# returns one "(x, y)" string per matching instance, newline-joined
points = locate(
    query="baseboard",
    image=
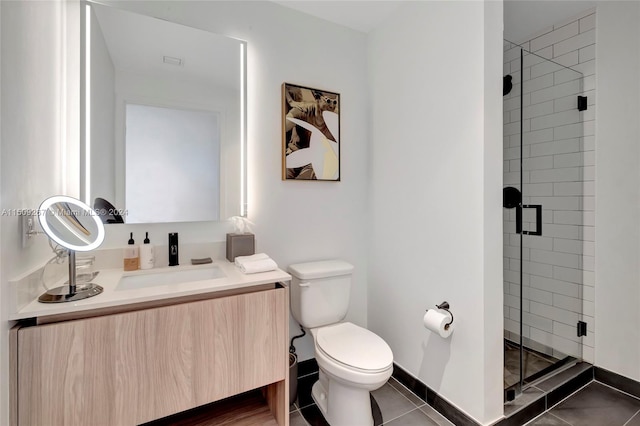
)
(306, 367)
(431, 397)
(615, 380)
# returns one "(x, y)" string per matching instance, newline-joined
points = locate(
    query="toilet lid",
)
(355, 346)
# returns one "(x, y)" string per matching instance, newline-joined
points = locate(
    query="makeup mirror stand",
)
(70, 292)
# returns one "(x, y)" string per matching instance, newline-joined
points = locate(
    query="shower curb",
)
(552, 393)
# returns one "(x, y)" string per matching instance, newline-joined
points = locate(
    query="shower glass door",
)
(544, 215)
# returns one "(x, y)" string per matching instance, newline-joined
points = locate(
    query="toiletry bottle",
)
(131, 255)
(146, 254)
(173, 249)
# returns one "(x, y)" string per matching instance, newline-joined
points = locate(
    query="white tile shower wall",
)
(558, 171)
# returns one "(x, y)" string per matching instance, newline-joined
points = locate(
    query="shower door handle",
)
(538, 208)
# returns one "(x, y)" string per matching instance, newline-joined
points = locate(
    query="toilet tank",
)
(320, 292)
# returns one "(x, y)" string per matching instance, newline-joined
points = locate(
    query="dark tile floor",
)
(532, 362)
(595, 404)
(397, 407)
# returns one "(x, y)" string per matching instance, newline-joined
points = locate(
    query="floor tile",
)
(435, 416)
(526, 398)
(597, 405)
(296, 419)
(635, 420)
(313, 416)
(304, 390)
(622, 383)
(532, 363)
(310, 412)
(561, 392)
(392, 403)
(413, 418)
(547, 420)
(405, 392)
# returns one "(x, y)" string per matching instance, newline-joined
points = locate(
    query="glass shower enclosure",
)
(544, 211)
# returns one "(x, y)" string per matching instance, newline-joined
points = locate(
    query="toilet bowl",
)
(352, 360)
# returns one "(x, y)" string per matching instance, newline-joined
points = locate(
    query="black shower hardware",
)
(512, 198)
(538, 230)
(582, 103)
(506, 84)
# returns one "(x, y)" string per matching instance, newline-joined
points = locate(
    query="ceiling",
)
(360, 15)
(522, 18)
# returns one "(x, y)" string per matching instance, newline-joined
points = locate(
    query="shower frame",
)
(525, 343)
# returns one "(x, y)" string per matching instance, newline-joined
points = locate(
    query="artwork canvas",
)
(311, 134)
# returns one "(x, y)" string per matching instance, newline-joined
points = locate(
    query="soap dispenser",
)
(131, 255)
(146, 254)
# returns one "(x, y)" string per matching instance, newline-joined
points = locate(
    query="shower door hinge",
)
(582, 103)
(582, 328)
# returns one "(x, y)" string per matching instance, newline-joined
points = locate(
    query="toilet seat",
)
(354, 347)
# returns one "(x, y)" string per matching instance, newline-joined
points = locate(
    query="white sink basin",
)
(154, 279)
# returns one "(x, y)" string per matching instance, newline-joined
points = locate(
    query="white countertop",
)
(113, 296)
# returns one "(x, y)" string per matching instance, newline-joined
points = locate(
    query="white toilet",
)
(353, 361)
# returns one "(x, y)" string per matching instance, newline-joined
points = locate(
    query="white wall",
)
(435, 195)
(294, 221)
(492, 210)
(617, 271)
(34, 133)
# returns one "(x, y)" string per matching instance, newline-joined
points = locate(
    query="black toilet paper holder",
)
(445, 307)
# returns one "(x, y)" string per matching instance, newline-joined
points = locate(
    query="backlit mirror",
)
(164, 119)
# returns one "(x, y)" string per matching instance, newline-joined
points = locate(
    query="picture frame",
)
(310, 133)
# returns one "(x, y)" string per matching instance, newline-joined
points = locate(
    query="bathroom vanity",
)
(135, 354)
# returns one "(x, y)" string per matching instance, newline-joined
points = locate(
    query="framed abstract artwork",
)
(310, 134)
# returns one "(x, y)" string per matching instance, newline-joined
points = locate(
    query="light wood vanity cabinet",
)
(133, 367)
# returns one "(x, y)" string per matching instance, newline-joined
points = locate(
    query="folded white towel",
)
(240, 260)
(260, 265)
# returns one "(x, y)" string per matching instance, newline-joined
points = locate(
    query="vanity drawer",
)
(130, 368)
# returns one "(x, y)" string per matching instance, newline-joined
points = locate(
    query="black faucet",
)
(173, 248)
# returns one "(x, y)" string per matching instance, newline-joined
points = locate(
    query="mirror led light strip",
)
(62, 95)
(87, 107)
(243, 130)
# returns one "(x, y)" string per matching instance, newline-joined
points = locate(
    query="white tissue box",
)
(240, 245)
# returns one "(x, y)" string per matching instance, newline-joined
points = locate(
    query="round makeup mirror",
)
(77, 227)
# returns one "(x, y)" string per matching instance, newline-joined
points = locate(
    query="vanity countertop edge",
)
(111, 297)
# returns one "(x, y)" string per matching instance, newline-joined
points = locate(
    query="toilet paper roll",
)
(437, 322)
